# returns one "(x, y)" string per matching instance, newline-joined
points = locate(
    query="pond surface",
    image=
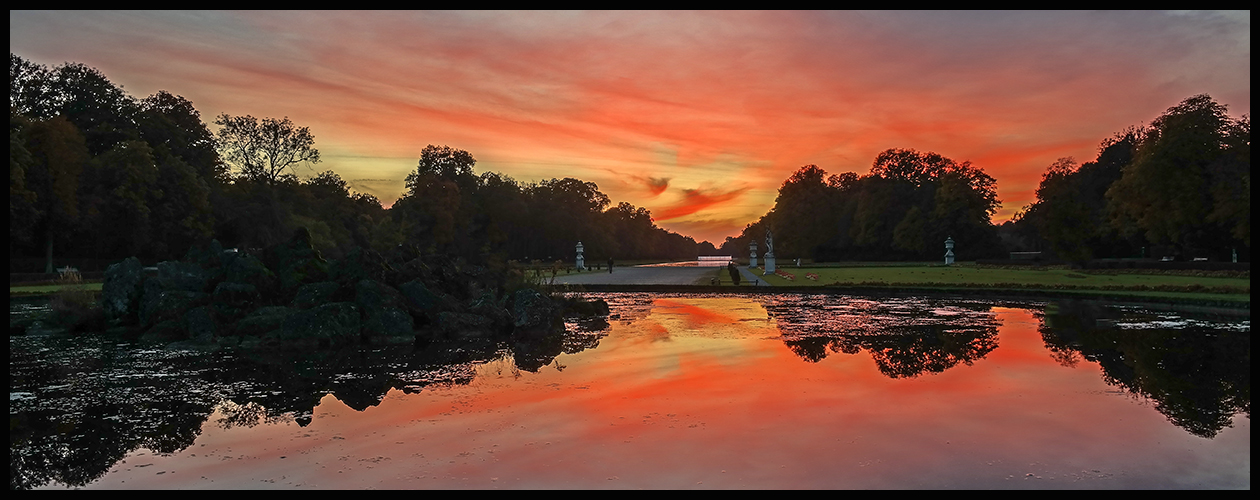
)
(673, 391)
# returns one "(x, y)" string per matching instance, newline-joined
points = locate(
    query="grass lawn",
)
(964, 276)
(46, 289)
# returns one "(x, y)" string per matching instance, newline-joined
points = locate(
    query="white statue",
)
(769, 266)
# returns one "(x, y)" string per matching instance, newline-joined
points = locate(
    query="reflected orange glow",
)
(701, 393)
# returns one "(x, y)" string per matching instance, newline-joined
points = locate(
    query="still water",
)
(673, 391)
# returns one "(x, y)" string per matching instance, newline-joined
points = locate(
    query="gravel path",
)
(649, 276)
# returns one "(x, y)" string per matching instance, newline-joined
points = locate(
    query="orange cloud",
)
(695, 200)
(657, 186)
(747, 96)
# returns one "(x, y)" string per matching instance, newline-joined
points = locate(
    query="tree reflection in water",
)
(1196, 371)
(906, 337)
(79, 405)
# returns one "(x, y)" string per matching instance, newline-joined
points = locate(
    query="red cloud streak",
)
(695, 200)
(600, 96)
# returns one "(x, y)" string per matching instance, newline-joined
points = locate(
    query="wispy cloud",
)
(644, 102)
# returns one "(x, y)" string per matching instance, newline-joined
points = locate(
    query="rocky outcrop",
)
(313, 294)
(262, 321)
(296, 262)
(247, 269)
(532, 310)
(486, 306)
(288, 296)
(386, 321)
(233, 300)
(423, 301)
(121, 292)
(327, 325)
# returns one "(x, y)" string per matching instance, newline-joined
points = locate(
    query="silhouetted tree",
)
(171, 125)
(908, 204)
(267, 150)
(799, 224)
(1168, 193)
(30, 89)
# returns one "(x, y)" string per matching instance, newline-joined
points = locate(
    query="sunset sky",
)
(697, 116)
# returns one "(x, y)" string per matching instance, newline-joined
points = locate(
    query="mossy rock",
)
(487, 306)
(372, 294)
(314, 294)
(250, 270)
(332, 324)
(184, 276)
(389, 326)
(122, 290)
(424, 301)
(233, 300)
(263, 320)
(363, 264)
(296, 262)
(202, 324)
(532, 310)
(164, 305)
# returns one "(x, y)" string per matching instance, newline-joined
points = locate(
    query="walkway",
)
(653, 275)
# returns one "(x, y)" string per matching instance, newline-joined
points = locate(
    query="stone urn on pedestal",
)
(581, 260)
(949, 251)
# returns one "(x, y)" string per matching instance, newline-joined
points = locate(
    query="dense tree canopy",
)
(907, 205)
(1180, 186)
(1182, 171)
(96, 173)
(447, 209)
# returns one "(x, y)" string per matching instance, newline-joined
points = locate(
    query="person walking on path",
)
(610, 264)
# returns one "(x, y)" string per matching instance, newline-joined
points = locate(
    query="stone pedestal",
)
(581, 261)
(769, 263)
(949, 251)
(752, 254)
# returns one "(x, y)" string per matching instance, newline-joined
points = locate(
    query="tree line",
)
(448, 209)
(904, 209)
(97, 173)
(1180, 186)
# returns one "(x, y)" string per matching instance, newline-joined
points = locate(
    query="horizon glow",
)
(697, 116)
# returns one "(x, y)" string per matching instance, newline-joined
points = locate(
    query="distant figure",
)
(610, 264)
(734, 271)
